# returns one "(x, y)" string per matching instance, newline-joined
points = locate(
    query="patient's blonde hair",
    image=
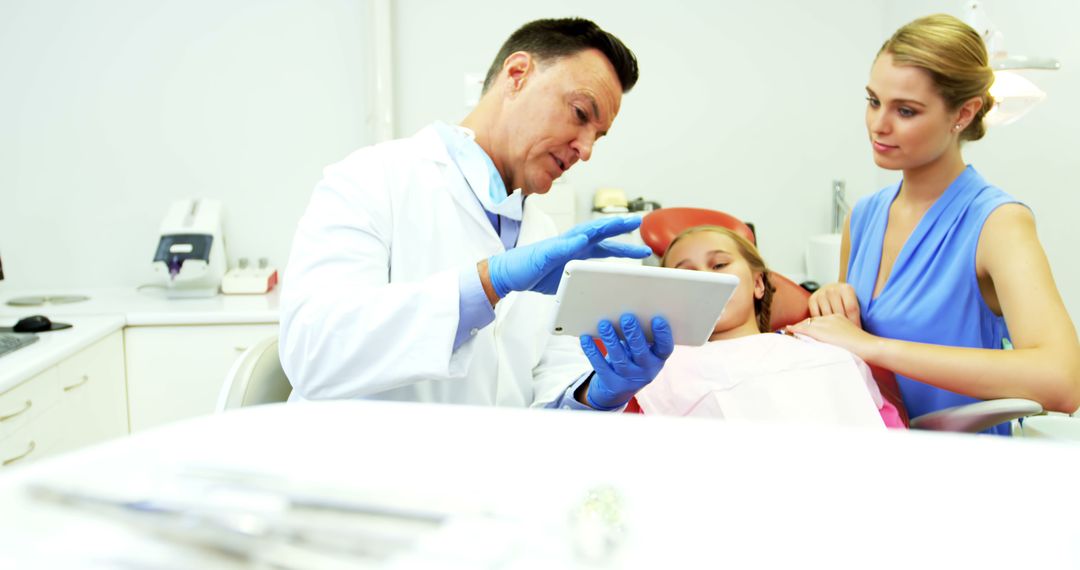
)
(762, 306)
(955, 57)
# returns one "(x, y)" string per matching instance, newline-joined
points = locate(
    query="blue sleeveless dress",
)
(932, 295)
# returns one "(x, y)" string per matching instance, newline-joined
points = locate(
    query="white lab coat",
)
(369, 307)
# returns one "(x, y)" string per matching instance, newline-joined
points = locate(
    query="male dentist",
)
(419, 271)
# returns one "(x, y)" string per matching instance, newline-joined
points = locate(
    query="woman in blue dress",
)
(942, 270)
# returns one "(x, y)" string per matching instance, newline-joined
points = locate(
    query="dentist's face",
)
(557, 111)
(907, 120)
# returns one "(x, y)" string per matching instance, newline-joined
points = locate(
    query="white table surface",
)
(694, 493)
(53, 346)
(111, 309)
(150, 306)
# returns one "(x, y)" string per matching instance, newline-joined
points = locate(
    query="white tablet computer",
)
(691, 301)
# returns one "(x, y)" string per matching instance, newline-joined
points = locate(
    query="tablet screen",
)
(691, 301)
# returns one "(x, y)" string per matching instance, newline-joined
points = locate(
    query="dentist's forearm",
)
(580, 393)
(485, 281)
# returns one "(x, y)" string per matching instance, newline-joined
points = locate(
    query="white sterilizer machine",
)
(190, 257)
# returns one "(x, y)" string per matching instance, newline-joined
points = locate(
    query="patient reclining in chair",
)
(744, 373)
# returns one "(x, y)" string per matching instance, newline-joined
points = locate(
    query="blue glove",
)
(538, 267)
(630, 365)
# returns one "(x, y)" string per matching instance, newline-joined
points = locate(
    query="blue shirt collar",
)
(479, 171)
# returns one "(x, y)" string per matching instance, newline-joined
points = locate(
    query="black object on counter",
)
(35, 324)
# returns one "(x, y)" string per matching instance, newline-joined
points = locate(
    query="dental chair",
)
(790, 306)
(1056, 427)
(255, 378)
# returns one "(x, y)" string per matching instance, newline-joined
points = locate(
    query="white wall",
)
(111, 109)
(1034, 159)
(748, 107)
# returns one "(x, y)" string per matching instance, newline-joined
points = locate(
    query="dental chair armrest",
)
(976, 417)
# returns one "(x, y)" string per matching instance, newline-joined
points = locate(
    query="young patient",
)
(747, 372)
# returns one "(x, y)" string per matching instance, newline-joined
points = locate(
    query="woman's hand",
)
(837, 330)
(836, 299)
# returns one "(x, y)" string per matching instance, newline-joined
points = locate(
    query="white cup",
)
(823, 258)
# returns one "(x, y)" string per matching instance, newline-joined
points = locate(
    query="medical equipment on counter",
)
(190, 255)
(640, 204)
(614, 201)
(609, 202)
(40, 300)
(250, 280)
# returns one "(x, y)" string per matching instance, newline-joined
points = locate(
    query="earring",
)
(957, 127)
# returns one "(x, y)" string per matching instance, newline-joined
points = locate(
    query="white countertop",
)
(53, 346)
(108, 310)
(691, 493)
(150, 307)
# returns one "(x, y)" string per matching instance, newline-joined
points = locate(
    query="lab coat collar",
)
(428, 144)
(480, 172)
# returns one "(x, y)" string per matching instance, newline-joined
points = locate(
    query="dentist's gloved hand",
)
(630, 365)
(538, 267)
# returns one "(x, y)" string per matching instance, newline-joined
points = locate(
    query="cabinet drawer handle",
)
(85, 379)
(29, 449)
(26, 406)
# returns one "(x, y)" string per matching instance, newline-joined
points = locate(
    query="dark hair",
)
(564, 37)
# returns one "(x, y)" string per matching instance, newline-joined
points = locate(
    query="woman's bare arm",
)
(1045, 363)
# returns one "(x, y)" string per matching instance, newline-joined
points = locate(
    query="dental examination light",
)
(1014, 95)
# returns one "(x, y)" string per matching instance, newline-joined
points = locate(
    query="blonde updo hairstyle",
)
(762, 306)
(955, 57)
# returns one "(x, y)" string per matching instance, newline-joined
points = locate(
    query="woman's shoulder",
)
(990, 197)
(980, 190)
(991, 202)
(875, 200)
(870, 209)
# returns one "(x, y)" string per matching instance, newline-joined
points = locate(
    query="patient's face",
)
(711, 251)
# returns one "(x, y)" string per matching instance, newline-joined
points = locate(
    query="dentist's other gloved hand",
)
(630, 364)
(538, 267)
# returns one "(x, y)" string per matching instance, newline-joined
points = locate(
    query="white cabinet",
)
(176, 372)
(21, 411)
(22, 404)
(93, 394)
(78, 402)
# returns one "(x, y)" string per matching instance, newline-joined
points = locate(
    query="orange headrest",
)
(659, 227)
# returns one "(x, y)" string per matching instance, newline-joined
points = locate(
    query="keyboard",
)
(15, 341)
